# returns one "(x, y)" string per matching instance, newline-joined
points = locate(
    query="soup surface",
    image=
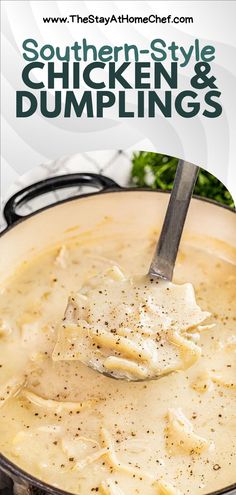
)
(86, 433)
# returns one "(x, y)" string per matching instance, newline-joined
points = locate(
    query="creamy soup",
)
(86, 433)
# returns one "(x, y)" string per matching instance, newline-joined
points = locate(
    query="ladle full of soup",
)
(142, 327)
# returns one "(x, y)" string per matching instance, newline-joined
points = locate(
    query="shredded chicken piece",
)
(81, 449)
(55, 405)
(11, 388)
(113, 460)
(116, 363)
(126, 346)
(189, 351)
(80, 465)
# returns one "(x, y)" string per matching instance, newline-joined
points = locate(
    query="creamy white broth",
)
(156, 437)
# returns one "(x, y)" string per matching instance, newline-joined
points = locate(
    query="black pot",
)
(129, 209)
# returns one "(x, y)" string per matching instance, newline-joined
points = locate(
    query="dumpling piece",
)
(180, 436)
(131, 328)
(32, 447)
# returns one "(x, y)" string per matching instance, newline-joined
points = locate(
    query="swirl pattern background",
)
(29, 142)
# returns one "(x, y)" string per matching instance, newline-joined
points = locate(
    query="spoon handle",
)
(167, 247)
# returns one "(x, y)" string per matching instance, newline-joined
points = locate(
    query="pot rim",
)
(109, 191)
(8, 466)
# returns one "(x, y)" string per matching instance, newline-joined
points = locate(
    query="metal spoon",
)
(163, 262)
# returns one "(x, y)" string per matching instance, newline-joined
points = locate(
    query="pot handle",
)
(51, 184)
